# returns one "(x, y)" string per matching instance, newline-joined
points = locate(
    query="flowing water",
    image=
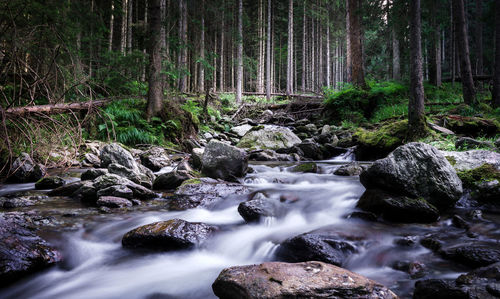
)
(96, 265)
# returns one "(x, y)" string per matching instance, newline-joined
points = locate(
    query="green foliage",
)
(385, 112)
(446, 93)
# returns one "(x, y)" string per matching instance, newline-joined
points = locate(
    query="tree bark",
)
(111, 26)
(348, 42)
(434, 49)
(463, 50)
(129, 26)
(222, 41)
(479, 37)
(268, 52)
(357, 72)
(416, 113)
(289, 62)
(239, 71)
(123, 36)
(396, 64)
(496, 78)
(155, 91)
(260, 58)
(328, 70)
(201, 72)
(182, 60)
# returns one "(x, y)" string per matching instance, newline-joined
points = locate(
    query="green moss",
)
(191, 182)
(256, 128)
(452, 160)
(306, 167)
(387, 137)
(484, 173)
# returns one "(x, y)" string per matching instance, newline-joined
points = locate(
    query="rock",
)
(469, 143)
(87, 193)
(132, 174)
(300, 280)
(113, 202)
(471, 126)
(269, 137)
(109, 180)
(256, 209)
(114, 153)
(497, 142)
(223, 161)
(203, 192)
(50, 182)
(116, 191)
(460, 222)
(478, 254)
(472, 159)
(270, 155)
(91, 160)
(398, 208)
(93, 173)
(326, 129)
(378, 143)
(310, 149)
(241, 130)
(196, 157)
(416, 170)
(66, 190)
(309, 167)
(25, 170)
(328, 138)
(16, 202)
(175, 234)
(155, 158)
(351, 169)
(171, 180)
(22, 252)
(484, 183)
(315, 247)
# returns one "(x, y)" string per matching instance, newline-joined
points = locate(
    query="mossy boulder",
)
(484, 183)
(472, 126)
(269, 137)
(50, 182)
(379, 143)
(310, 167)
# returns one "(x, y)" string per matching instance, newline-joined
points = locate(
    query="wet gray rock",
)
(351, 169)
(116, 191)
(470, 143)
(398, 208)
(15, 202)
(50, 182)
(175, 234)
(224, 161)
(93, 173)
(299, 280)
(478, 254)
(308, 167)
(241, 130)
(113, 202)
(87, 193)
(114, 153)
(171, 180)
(155, 158)
(270, 155)
(26, 170)
(91, 160)
(196, 157)
(22, 251)
(256, 209)
(269, 137)
(66, 190)
(310, 149)
(315, 247)
(472, 159)
(109, 180)
(416, 170)
(133, 174)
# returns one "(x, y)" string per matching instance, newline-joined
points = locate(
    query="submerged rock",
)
(50, 182)
(300, 280)
(175, 234)
(269, 137)
(416, 170)
(25, 170)
(351, 169)
(256, 209)
(315, 247)
(224, 161)
(113, 202)
(22, 252)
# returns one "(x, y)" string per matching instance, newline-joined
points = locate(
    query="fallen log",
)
(305, 96)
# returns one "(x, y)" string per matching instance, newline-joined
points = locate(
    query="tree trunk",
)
(348, 43)
(155, 91)
(396, 64)
(182, 60)
(123, 36)
(357, 72)
(201, 72)
(328, 70)
(239, 71)
(463, 50)
(496, 79)
(111, 26)
(416, 113)
(434, 50)
(268, 52)
(289, 62)
(129, 26)
(222, 40)
(260, 58)
(479, 37)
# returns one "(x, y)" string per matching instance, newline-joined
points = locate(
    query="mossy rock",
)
(310, 167)
(379, 143)
(191, 182)
(472, 126)
(484, 173)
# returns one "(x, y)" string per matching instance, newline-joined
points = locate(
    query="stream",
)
(96, 266)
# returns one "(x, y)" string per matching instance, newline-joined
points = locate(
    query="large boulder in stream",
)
(468, 160)
(315, 247)
(224, 161)
(114, 153)
(22, 252)
(256, 209)
(416, 170)
(155, 158)
(269, 137)
(110, 179)
(300, 280)
(175, 234)
(50, 182)
(26, 170)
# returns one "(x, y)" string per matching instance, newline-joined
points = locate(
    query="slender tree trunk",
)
(463, 49)
(155, 91)
(129, 26)
(479, 37)
(416, 113)
(434, 50)
(396, 64)
(145, 45)
(452, 45)
(239, 73)
(201, 72)
(123, 36)
(260, 58)
(348, 42)
(268, 52)
(222, 40)
(357, 72)
(328, 70)
(289, 62)
(183, 50)
(496, 77)
(111, 26)
(304, 72)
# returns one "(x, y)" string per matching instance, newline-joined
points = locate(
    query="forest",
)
(249, 149)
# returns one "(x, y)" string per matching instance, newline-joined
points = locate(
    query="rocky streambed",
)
(147, 224)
